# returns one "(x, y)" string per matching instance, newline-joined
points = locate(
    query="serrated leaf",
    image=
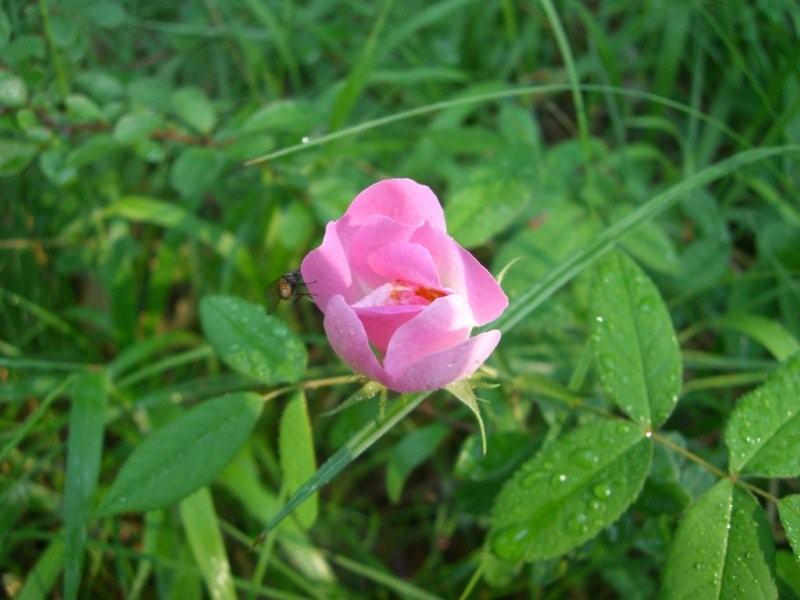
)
(84, 447)
(465, 394)
(251, 342)
(789, 510)
(184, 455)
(205, 539)
(298, 462)
(409, 453)
(570, 491)
(722, 549)
(637, 353)
(194, 108)
(763, 433)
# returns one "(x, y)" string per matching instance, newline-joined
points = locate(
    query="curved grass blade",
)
(500, 95)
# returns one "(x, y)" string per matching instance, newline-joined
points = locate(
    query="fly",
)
(287, 286)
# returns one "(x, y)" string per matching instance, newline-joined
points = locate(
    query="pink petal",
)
(402, 200)
(461, 271)
(326, 270)
(486, 297)
(444, 323)
(349, 339)
(380, 322)
(368, 237)
(406, 262)
(442, 368)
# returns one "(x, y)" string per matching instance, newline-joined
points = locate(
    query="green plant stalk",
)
(58, 64)
(572, 74)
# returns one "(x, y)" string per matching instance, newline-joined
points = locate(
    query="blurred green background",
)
(124, 199)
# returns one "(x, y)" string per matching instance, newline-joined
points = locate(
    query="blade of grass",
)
(43, 575)
(84, 448)
(200, 521)
(403, 588)
(572, 73)
(357, 80)
(21, 431)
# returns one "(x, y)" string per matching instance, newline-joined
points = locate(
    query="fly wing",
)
(272, 295)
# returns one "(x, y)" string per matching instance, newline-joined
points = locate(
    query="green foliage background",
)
(161, 163)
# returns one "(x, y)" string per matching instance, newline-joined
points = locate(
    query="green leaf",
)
(409, 453)
(15, 155)
(184, 455)
(251, 342)
(354, 447)
(202, 528)
(488, 201)
(767, 332)
(763, 433)
(298, 463)
(570, 491)
(787, 571)
(194, 108)
(637, 353)
(722, 549)
(82, 109)
(196, 170)
(106, 14)
(465, 394)
(135, 126)
(84, 448)
(504, 450)
(649, 244)
(41, 578)
(13, 91)
(789, 510)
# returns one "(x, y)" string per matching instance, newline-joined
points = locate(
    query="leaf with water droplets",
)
(570, 491)
(723, 549)
(763, 433)
(251, 342)
(789, 510)
(184, 455)
(637, 353)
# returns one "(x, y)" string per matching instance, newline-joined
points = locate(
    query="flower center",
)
(404, 292)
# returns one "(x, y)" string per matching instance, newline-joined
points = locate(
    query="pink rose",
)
(400, 296)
